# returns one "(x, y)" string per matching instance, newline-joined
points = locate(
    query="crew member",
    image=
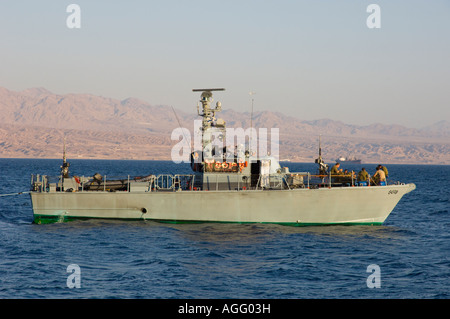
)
(363, 176)
(379, 177)
(385, 170)
(334, 172)
(335, 169)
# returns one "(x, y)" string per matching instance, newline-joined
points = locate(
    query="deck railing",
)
(191, 182)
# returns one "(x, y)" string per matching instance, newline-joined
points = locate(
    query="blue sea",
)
(407, 257)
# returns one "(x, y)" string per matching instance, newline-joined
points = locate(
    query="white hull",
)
(342, 205)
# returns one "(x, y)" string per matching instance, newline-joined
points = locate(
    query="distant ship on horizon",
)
(349, 160)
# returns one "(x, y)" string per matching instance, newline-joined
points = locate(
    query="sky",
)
(307, 59)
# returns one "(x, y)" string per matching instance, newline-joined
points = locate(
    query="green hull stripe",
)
(50, 219)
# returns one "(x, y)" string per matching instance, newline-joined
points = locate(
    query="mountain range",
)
(34, 122)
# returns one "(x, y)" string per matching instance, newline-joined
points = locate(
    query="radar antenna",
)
(209, 90)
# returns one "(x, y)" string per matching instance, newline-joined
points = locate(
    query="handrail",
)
(186, 182)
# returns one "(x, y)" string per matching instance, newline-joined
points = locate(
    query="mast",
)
(323, 168)
(251, 124)
(65, 165)
(209, 120)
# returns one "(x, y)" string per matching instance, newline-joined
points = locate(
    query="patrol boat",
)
(225, 186)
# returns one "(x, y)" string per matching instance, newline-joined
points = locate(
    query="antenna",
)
(251, 117)
(65, 165)
(179, 124)
(323, 168)
(251, 121)
(64, 150)
(320, 148)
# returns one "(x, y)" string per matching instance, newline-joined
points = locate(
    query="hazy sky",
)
(309, 59)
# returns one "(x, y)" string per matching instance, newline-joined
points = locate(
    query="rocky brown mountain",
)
(34, 122)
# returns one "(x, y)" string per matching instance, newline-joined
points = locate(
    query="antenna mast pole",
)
(251, 123)
(65, 165)
(320, 148)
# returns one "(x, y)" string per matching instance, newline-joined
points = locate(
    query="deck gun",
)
(323, 168)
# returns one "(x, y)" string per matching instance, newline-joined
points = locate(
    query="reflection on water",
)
(230, 233)
(254, 233)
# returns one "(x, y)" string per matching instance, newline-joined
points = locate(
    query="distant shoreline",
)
(166, 160)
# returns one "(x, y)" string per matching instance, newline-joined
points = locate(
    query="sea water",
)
(407, 257)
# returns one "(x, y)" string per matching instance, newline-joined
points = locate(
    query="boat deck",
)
(194, 182)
